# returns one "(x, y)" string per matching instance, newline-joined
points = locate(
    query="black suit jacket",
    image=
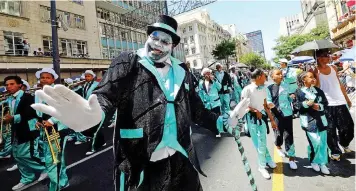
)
(22, 130)
(226, 81)
(141, 105)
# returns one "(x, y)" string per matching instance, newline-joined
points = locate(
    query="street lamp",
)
(55, 53)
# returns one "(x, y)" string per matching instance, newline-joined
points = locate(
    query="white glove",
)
(69, 107)
(239, 111)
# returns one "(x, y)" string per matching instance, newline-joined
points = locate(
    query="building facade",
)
(291, 25)
(341, 19)
(255, 41)
(97, 31)
(314, 14)
(200, 35)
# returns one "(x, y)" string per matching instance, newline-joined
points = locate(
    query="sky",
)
(254, 15)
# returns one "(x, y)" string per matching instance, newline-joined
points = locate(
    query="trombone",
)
(4, 111)
(52, 138)
(33, 90)
(71, 86)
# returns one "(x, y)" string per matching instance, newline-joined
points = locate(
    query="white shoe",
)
(18, 186)
(347, 150)
(64, 187)
(218, 135)
(89, 153)
(315, 167)
(293, 165)
(42, 177)
(271, 164)
(104, 145)
(5, 157)
(324, 169)
(281, 153)
(264, 173)
(15, 167)
(70, 139)
(112, 125)
(78, 143)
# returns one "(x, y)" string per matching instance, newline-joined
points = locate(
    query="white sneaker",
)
(70, 139)
(293, 165)
(64, 187)
(281, 153)
(5, 157)
(89, 153)
(315, 167)
(271, 164)
(218, 135)
(264, 173)
(347, 150)
(324, 169)
(112, 125)
(78, 143)
(15, 167)
(42, 177)
(18, 186)
(104, 145)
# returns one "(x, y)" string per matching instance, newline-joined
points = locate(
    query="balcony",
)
(30, 63)
(345, 28)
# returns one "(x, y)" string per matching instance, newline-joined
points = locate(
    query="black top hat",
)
(166, 24)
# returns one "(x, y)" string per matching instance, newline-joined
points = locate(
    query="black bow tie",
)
(159, 65)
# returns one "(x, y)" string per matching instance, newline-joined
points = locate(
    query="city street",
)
(220, 160)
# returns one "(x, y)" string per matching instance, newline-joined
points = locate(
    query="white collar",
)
(168, 61)
(15, 94)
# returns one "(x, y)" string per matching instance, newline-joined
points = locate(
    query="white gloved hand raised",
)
(239, 111)
(69, 107)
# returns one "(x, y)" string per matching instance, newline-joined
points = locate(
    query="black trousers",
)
(284, 132)
(339, 119)
(96, 137)
(175, 173)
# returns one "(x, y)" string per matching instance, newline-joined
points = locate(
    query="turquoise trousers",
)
(225, 103)
(318, 147)
(258, 133)
(6, 150)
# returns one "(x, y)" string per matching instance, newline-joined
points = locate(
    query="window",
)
(10, 7)
(190, 28)
(80, 2)
(186, 51)
(124, 35)
(47, 44)
(73, 20)
(13, 43)
(66, 47)
(185, 40)
(45, 14)
(195, 64)
(79, 22)
(184, 30)
(191, 38)
(133, 34)
(81, 47)
(193, 50)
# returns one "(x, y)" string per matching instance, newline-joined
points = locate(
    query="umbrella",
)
(315, 45)
(348, 54)
(302, 59)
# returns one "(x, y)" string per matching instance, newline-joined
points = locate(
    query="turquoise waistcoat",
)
(211, 98)
(170, 85)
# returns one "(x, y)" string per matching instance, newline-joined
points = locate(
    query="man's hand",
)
(258, 114)
(271, 105)
(274, 125)
(292, 96)
(8, 118)
(69, 107)
(316, 106)
(349, 103)
(212, 77)
(47, 124)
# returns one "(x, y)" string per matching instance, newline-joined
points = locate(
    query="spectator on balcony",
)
(26, 47)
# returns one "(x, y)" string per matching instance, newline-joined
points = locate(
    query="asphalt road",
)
(220, 160)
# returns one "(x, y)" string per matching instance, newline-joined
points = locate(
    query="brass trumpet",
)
(4, 111)
(76, 84)
(52, 138)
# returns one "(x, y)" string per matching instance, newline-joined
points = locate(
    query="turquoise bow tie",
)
(260, 87)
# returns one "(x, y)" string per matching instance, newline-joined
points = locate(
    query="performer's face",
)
(89, 77)
(309, 80)
(277, 76)
(12, 86)
(46, 79)
(159, 46)
(207, 75)
(218, 68)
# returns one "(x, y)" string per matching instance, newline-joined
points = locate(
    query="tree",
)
(223, 50)
(252, 59)
(286, 44)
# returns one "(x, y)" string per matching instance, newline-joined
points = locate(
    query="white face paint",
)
(159, 46)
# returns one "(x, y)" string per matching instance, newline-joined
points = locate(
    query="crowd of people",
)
(153, 100)
(24, 138)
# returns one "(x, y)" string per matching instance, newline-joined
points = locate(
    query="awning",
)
(350, 3)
